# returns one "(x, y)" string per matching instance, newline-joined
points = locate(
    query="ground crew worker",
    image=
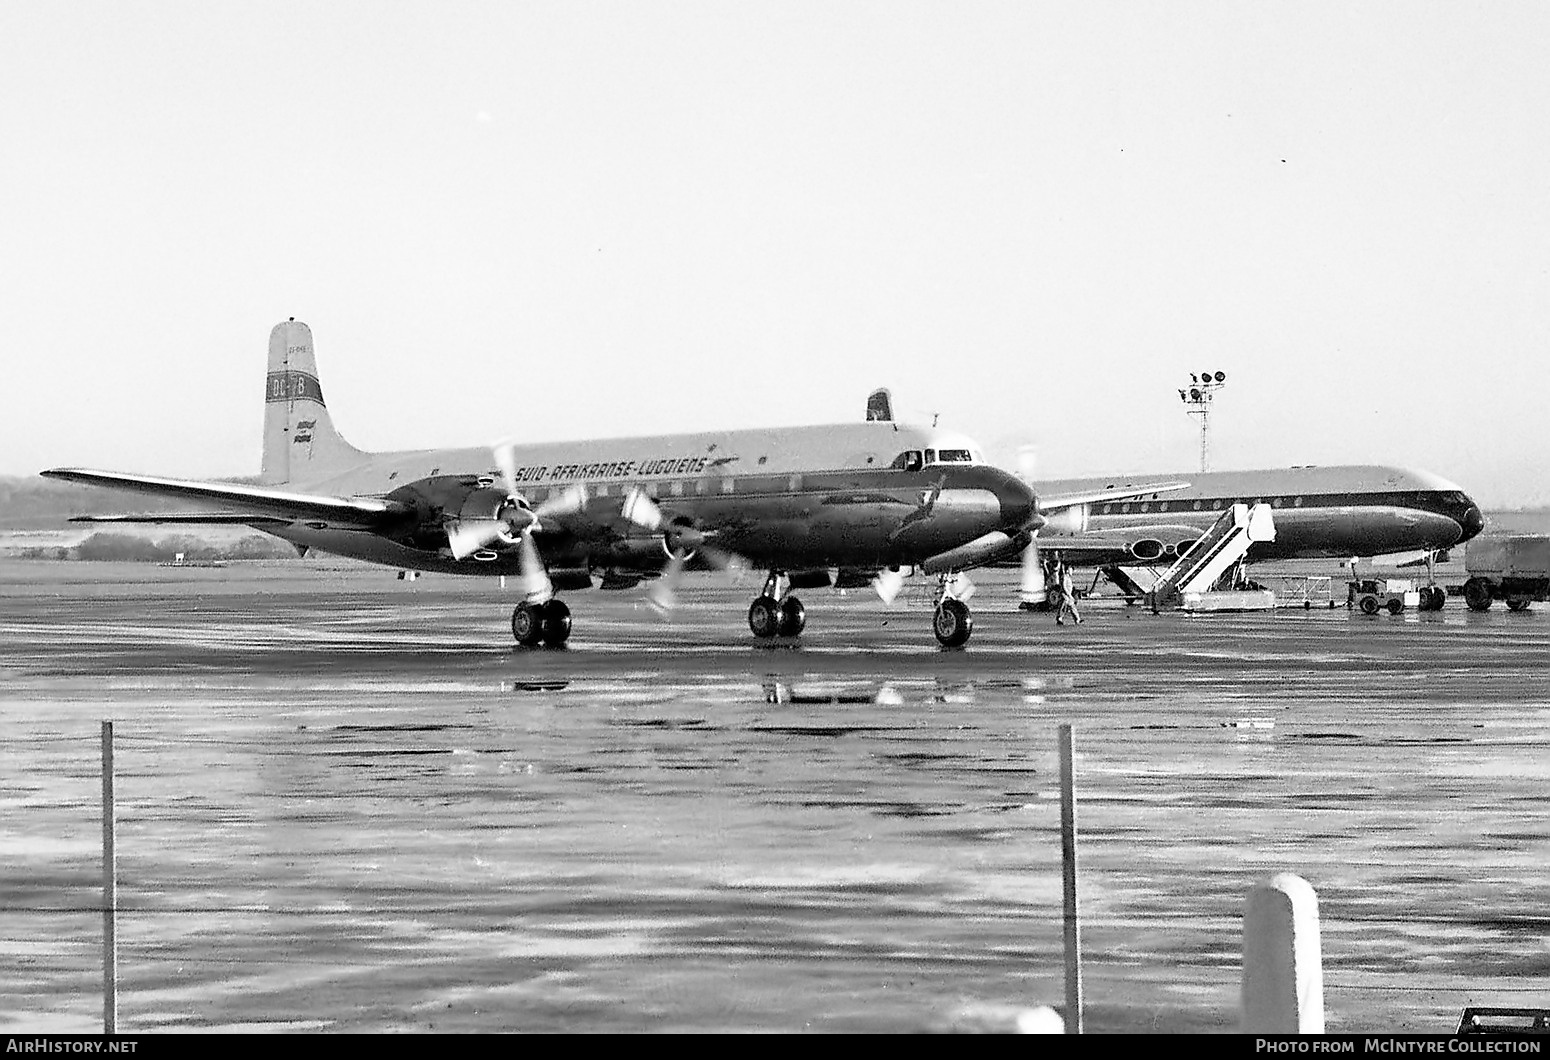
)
(1067, 599)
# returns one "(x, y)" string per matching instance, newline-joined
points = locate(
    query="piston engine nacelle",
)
(487, 521)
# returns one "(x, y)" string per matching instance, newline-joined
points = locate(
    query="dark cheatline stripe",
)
(293, 386)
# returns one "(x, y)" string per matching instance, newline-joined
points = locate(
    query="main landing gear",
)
(952, 623)
(547, 623)
(771, 615)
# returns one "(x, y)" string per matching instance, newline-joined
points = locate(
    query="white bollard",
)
(991, 1018)
(1283, 972)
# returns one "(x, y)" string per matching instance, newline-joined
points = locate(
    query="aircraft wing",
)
(256, 503)
(1053, 501)
(203, 518)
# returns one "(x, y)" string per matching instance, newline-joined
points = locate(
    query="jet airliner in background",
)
(809, 505)
(1340, 511)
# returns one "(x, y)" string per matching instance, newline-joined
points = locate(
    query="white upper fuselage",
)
(614, 465)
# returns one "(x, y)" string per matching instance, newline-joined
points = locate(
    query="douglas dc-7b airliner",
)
(864, 499)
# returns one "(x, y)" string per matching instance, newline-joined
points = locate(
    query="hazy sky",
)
(561, 220)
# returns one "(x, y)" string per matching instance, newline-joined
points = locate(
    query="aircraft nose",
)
(1471, 521)
(1019, 505)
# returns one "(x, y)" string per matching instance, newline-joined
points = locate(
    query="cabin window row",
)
(700, 487)
(1217, 505)
(1422, 499)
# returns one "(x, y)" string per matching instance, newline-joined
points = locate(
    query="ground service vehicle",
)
(1371, 595)
(1515, 569)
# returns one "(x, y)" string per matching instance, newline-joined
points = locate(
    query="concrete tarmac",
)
(347, 803)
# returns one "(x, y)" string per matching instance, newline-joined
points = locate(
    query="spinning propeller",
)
(1031, 588)
(489, 521)
(682, 541)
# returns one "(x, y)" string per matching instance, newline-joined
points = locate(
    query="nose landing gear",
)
(951, 622)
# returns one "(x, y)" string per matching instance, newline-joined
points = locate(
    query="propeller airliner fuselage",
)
(859, 500)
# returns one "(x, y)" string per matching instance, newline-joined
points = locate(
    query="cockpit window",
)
(909, 460)
(954, 456)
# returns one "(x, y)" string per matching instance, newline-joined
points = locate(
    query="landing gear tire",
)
(1369, 605)
(556, 623)
(1517, 603)
(1396, 606)
(527, 624)
(764, 618)
(793, 617)
(952, 623)
(1477, 594)
(1439, 598)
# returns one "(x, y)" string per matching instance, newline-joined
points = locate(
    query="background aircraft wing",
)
(249, 503)
(1054, 501)
(203, 518)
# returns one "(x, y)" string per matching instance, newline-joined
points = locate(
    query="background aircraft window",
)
(726, 485)
(678, 489)
(601, 491)
(1197, 506)
(653, 489)
(930, 456)
(909, 460)
(1145, 506)
(1216, 506)
(699, 486)
(1125, 507)
(1297, 502)
(794, 483)
(953, 456)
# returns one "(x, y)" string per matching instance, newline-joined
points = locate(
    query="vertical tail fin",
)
(299, 437)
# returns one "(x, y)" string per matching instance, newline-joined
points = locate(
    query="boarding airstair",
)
(1213, 556)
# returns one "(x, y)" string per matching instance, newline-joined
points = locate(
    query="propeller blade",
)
(506, 460)
(729, 563)
(641, 510)
(534, 580)
(959, 587)
(571, 499)
(1032, 587)
(663, 594)
(1027, 462)
(469, 536)
(887, 584)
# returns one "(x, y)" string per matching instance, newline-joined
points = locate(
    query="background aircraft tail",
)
(299, 437)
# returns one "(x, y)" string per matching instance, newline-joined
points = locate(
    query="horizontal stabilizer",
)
(342, 512)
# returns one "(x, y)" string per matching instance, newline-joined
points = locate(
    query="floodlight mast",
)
(1197, 402)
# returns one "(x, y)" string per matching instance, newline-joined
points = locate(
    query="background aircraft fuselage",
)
(1342, 511)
